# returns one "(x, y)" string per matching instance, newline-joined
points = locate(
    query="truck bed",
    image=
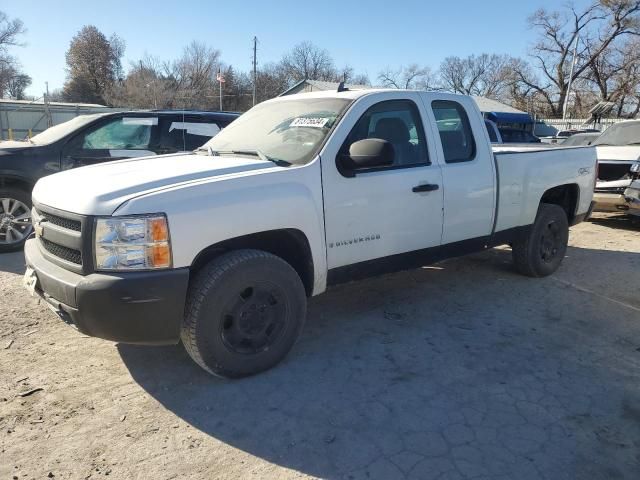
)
(524, 174)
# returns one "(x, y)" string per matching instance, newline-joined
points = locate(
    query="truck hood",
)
(12, 146)
(627, 153)
(101, 189)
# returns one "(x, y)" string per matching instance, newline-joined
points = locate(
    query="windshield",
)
(580, 139)
(290, 130)
(623, 133)
(55, 133)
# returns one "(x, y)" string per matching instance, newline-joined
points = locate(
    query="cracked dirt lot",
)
(462, 370)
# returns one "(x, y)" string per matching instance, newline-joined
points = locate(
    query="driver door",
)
(111, 139)
(379, 214)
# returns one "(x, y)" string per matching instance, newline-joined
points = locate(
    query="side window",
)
(398, 122)
(196, 134)
(492, 133)
(121, 134)
(457, 140)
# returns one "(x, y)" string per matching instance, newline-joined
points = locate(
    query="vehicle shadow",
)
(463, 366)
(618, 221)
(12, 262)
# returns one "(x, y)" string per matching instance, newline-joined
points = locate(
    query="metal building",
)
(21, 118)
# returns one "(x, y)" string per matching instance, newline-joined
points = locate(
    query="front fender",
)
(209, 212)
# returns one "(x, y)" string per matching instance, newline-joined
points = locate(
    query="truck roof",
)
(348, 94)
(355, 94)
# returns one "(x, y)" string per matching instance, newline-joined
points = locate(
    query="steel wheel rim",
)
(15, 221)
(254, 319)
(550, 242)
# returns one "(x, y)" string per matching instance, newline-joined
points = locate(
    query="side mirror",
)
(369, 153)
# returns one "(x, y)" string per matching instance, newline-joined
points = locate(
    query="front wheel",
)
(15, 218)
(244, 311)
(540, 253)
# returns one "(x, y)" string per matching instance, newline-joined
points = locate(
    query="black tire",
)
(541, 252)
(244, 312)
(8, 242)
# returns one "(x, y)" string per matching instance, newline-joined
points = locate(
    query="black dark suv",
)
(86, 140)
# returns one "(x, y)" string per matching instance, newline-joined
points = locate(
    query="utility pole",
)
(46, 106)
(220, 82)
(573, 64)
(255, 67)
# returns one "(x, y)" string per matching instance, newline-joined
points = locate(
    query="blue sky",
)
(368, 36)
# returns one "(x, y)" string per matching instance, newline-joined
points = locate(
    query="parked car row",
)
(618, 151)
(562, 136)
(87, 140)
(632, 196)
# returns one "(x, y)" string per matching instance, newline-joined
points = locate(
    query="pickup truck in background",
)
(221, 247)
(87, 140)
(632, 196)
(618, 150)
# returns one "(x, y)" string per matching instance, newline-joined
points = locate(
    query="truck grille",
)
(610, 171)
(64, 237)
(67, 223)
(65, 253)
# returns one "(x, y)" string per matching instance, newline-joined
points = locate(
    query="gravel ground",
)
(461, 370)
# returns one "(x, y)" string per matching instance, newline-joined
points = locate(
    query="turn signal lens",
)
(160, 256)
(158, 230)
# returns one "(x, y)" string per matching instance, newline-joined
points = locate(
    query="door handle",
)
(427, 187)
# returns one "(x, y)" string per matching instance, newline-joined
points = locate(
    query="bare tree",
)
(145, 86)
(485, 75)
(272, 81)
(410, 77)
(306, 61)
(13, 81)
(596, 28)
(616, 72)
(10, 32)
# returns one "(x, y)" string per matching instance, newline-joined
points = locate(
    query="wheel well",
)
(565, 196)
(289, 244)
(16, 183)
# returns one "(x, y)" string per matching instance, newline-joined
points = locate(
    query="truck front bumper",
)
(632, 195)
(610, 202)
(131, 307)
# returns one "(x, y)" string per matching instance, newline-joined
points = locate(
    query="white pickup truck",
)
(222, 247)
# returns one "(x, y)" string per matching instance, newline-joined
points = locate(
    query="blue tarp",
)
(505, 117)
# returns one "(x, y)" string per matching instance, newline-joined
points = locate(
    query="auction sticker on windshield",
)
(309, 122)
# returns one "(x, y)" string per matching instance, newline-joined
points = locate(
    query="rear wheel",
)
(15, 218)
(541, 252)
(244, 312)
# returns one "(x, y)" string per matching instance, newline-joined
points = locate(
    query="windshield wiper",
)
(253, 152)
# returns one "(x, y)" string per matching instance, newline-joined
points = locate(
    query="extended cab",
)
(222, 247)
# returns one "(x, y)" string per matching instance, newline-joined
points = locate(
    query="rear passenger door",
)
(180, 133)
(467, 167)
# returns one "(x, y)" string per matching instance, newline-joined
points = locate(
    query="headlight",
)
(132, 243)
(635, 167)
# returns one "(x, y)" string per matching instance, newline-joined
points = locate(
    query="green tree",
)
(93, 66)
